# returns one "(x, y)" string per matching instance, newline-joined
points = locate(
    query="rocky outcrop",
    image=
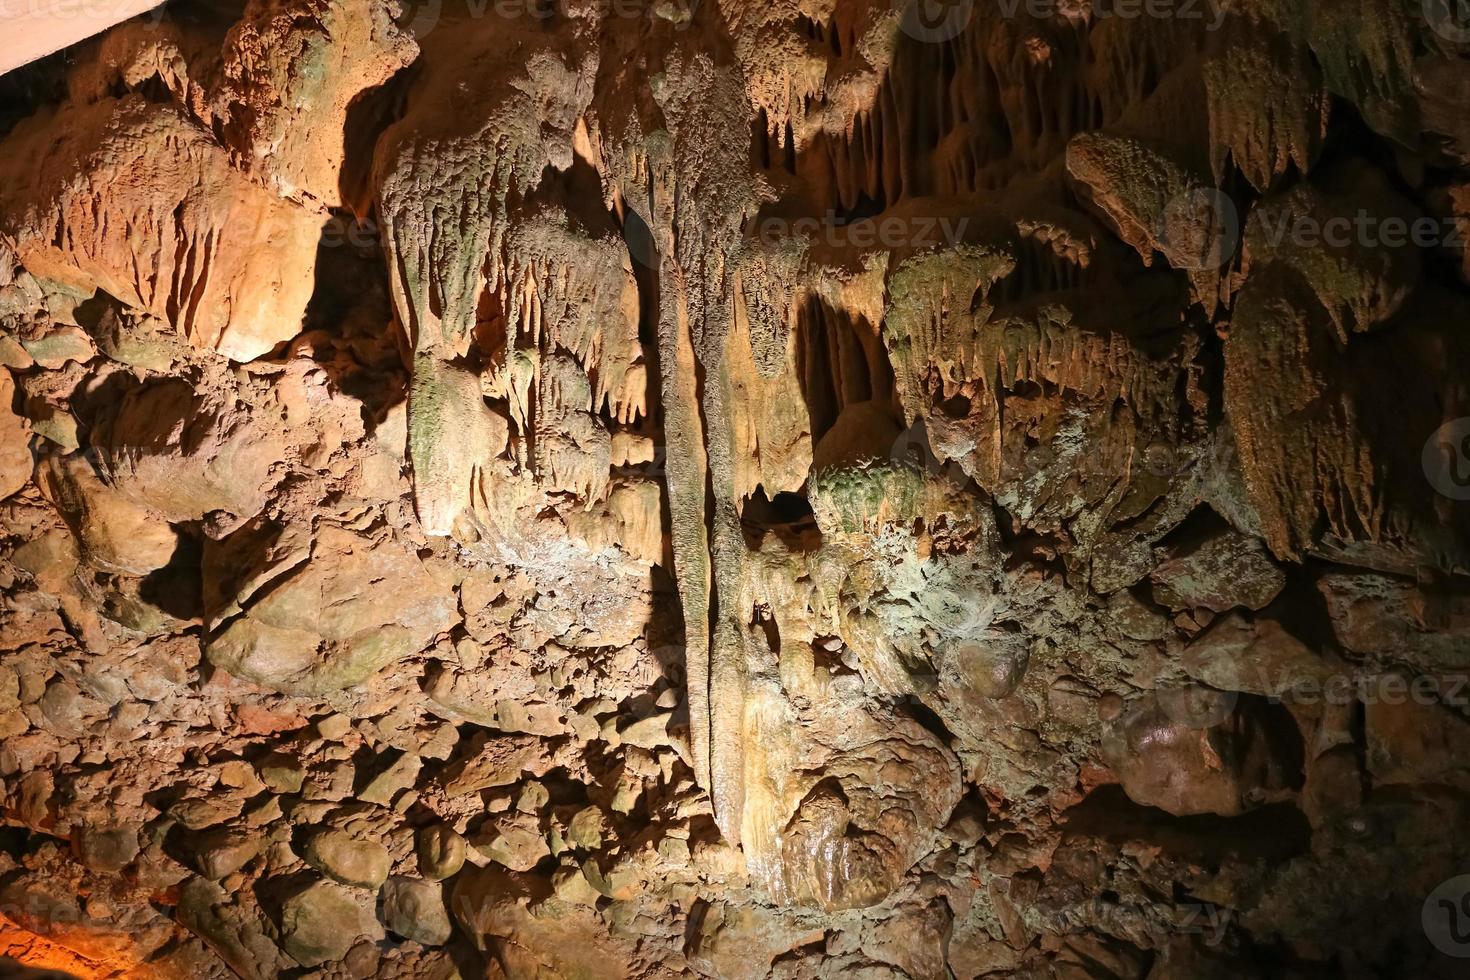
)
(734, 490)
(323, 623)
(291, 74)
(139, 202)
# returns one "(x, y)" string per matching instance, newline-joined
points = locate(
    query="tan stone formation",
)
(291, 74)
(766, 490)
(181, 235)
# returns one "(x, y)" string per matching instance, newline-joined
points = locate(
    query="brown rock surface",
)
(736, 489)
(356, 605)
(180, 234)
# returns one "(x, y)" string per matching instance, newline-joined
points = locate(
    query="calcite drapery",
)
(767, 490)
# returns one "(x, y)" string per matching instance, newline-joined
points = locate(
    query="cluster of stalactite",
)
(756, 489)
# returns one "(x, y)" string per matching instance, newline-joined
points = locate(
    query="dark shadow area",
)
(1272, 833)
(789, 516)
(177, 588)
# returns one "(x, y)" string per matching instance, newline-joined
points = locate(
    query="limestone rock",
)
(490, 904)
(441, 852)
(116, 534)
(362, 863)
(234, 929)
(172, 448)
(742, 942)
(452, 435)
(399, 776)
(291, 72)
(1223, 572)
(107, 849)
(773, 490)
(415, 910)
(322, 922)
(1259, 658)
(15, 450)
(1385, 616)
(220, 851)
(285, 640)
(517, 843)
(1211, 753)
(1409, 740)
(282, 773)
(240, 277)
(56, 349)
(46, 33)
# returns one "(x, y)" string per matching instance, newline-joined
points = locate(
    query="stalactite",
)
(767, 490)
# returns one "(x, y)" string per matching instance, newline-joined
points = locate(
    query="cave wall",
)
(784, 490)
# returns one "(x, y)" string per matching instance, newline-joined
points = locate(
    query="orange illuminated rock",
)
(15, 438)
(326, 626)
(138, 201)
(292, 68)
(718, 487)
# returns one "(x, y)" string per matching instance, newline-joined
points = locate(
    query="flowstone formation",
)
(737, 489)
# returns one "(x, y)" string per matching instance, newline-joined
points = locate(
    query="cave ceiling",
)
(758, 490)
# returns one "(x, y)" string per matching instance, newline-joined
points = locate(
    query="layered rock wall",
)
(737, 489)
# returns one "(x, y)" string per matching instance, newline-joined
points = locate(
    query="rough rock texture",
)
(737, 489)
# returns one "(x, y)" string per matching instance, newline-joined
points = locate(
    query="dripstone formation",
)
(745, 489)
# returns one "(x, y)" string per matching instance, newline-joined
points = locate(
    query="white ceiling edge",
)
(35, 28)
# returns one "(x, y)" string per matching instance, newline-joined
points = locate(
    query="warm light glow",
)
(42, 953)
(38, 29)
